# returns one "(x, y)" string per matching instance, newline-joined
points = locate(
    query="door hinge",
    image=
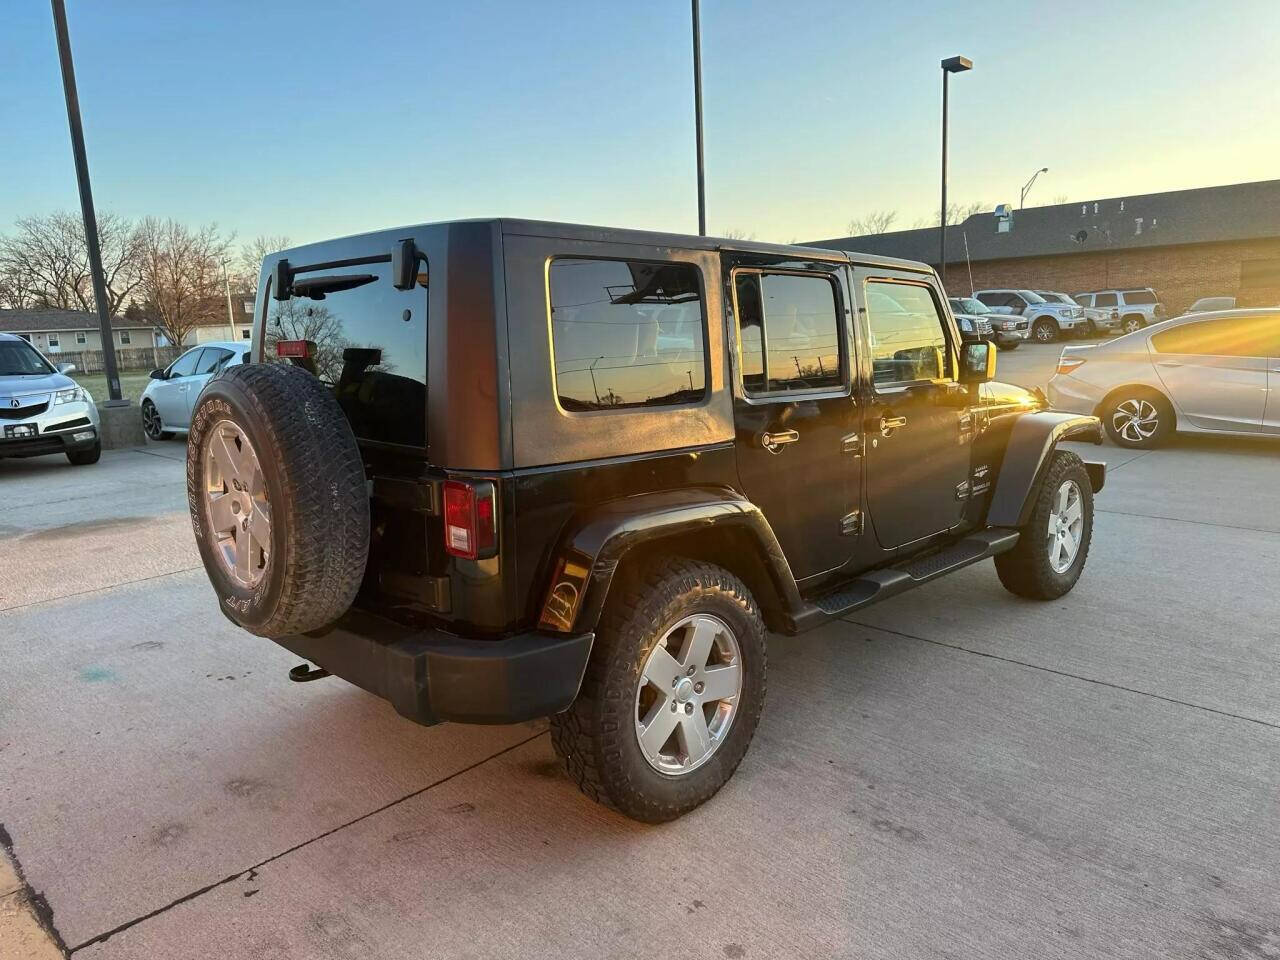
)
(851, 524)
(852, 444)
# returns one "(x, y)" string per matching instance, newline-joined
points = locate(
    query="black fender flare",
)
(592, 547)
(1032, 442)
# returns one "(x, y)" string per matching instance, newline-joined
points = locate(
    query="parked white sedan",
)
(172, 393)
(1213, 372)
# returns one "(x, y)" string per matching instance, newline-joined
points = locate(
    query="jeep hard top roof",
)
(576, 231)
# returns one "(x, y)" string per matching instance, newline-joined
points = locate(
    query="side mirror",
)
(66, 368)
(157, 375)
(977, 362)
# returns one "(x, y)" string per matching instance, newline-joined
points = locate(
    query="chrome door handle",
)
(890, 424)
(773, 442)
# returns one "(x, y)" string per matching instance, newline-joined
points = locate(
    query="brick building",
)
(1185, 244)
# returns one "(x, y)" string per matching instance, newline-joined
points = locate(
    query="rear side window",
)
(1105, 300)
(626, 333)
(1227, 337)
(212, 360)
(788, 332)
(908, 338)
(1139, 297)
(1084, 299)
(367, 342)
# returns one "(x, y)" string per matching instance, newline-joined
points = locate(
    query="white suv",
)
(1049, 321)
(1136, 307)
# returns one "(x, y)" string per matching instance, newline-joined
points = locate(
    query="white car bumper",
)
(39, 426)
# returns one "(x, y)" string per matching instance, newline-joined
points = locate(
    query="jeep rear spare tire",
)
(278, 501)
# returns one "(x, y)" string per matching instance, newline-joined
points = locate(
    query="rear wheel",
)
(1137, 418)
(1054, 544)
(1045, 330)
(672, 693)
(1007, 344)
(1132, 323)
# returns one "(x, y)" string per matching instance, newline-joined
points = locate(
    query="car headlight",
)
(73, 395)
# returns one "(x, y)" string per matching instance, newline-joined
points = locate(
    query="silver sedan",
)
(1213, 372)
(171, 395)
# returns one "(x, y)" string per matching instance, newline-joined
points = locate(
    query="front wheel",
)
(672, 693)
(1045, 330)
(151, 424)
(83, 458)
(1054, 544)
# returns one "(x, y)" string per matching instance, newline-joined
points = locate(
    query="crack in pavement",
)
(1064, 673)
(1203, 523)
(85, 593)
(251, 872)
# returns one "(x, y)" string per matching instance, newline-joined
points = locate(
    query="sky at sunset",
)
(323, 119)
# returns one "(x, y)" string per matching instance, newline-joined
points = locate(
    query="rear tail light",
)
(299, 349)
(1067, 364)
(470, 519)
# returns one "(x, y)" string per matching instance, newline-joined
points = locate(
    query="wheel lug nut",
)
(691, 671)
(674, 706)
(688, 708)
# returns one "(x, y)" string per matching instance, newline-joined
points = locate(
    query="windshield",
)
(18, 359)
(1031, 296)
(969, 305)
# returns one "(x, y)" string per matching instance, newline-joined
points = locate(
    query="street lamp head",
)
(957, 64)
(1044, 169)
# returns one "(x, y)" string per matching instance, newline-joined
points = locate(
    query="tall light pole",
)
(697, 118)
(226, 282)
(949, 66)
(1026, 187)
(86, 204)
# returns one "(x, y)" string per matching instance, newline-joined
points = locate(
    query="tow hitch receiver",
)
(304, 672)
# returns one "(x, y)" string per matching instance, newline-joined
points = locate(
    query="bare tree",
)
(736, 234)
(1058, 198)
(877, 221)
(45, 263)
(252, 253)
(956, 213)
(180, 273)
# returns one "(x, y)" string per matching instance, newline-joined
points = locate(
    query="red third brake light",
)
(470, 527)
(293, 348)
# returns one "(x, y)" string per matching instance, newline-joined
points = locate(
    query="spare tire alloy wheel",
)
(688, 694)
(279, 505)
(1135, 420)
(237, 510)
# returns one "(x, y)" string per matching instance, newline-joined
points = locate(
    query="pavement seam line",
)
(32, 907)
(85, 593)
(1071, 676)
(103, 937)
(1203, 523)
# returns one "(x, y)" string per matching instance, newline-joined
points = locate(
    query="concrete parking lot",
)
(952, 773)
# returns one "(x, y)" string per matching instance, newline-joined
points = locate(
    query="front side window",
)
(788, 332)
(908, 334)
(367, 340)
(1105, 300)
(626, 333)
(19, 359)
(1227, 337)
(185, 365)
(1139, 297)
(1084, 299)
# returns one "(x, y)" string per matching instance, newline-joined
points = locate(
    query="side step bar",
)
(881, 584)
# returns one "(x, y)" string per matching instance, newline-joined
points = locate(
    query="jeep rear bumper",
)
(430, 676)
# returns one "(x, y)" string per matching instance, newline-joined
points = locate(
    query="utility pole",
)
(86, 205)
(231, 317)
(592, 370)
(697, 118)
(949, 66)
(1022, 200)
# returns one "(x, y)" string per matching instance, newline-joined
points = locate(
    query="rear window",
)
(626, 333)
(369, 343)
(1139, 297)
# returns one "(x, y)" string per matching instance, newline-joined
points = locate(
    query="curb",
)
(26, 922)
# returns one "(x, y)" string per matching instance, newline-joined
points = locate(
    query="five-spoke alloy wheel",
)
(688, 694)
(1066, 526)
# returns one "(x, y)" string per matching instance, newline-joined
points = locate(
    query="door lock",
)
(774, 442)
(890, 424)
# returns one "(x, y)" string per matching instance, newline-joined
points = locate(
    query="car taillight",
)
(1068, 364)
(299, 349)
(470, 519)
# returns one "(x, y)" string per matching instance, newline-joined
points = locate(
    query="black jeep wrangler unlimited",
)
(497, 470)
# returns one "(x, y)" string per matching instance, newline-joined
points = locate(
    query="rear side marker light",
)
(470, 519)
(1069, 364)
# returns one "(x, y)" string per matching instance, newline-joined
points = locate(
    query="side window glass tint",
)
(1229, 337)
(212, 360)
(789, 333)
(185, 365)
(367, 341)
(908, 339)
(626, 333)
(1105, 300)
